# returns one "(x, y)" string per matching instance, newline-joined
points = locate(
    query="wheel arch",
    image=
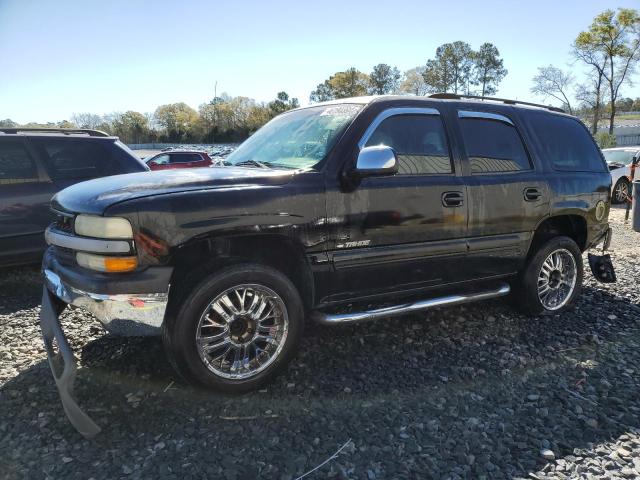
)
(281, 252)
(572, 225)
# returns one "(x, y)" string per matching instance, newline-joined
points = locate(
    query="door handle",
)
(531, 194)
(452, 199)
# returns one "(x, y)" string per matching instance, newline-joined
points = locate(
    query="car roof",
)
(497, 103)
(56, 132)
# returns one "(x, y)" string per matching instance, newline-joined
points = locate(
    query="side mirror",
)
(376, 161)
(152, 163)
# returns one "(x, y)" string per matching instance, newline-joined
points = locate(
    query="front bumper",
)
(130, 314)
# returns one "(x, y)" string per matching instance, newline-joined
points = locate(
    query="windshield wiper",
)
(252, 163)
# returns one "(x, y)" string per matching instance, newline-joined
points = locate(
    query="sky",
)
(63, 57)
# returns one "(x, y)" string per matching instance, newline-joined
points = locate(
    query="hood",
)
(95, 196)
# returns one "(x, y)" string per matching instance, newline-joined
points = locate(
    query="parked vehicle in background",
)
(37, 163)
(178, 159)
(620, 161)
(326, 212)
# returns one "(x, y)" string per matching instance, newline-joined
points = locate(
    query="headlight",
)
(106, 264)
(103, 227)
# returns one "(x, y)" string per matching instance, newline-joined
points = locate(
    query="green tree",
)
(131, 127)
(616, 38)
(8, 123)
(553, 82)
(384, 79)
(451, 70)
(282, 103)
(178, 119)
(350, 83)
(488, 69)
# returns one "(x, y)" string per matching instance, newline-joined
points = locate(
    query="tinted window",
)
(493, 146)
(185, 157)
(419, 142)
(73, 158)
(566, 143)
(16, 165)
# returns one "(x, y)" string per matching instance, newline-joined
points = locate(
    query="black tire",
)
(621, 191)
(526, 295)
(179, 330)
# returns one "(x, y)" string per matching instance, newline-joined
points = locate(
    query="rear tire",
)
(236, 330)
(552, 278)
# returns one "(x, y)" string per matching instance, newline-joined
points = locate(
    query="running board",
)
(395, 310)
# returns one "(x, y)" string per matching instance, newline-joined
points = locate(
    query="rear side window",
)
(566, 143)
(185, 157)
(419, 141)
(493, 146)
(73, 158)
(16, 165)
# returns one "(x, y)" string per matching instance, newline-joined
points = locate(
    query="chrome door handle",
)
(452, 199)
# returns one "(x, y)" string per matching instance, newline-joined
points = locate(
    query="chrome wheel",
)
(242, 331)
(557, 279)
(621, 191)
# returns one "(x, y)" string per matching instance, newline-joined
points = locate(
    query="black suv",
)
(37, 163)
(383, 205)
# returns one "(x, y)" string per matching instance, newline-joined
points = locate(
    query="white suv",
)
(620, 161)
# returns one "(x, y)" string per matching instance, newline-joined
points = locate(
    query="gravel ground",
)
(468, 392)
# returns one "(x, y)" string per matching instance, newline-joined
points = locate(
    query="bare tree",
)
(553, 82)
(87, 120)
(413, 82)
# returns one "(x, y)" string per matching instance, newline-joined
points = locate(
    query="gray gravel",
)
(469, 392)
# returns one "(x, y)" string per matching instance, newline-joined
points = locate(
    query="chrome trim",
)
(395, 310)
(124, 314)
(485, 115)
(93, 245)
(391, 112)
(379, 157)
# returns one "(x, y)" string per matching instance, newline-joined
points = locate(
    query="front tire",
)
(552, 279)
(238, 329)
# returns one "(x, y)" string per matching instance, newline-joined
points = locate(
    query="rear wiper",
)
(252, 163)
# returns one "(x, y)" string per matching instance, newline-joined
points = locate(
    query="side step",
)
(395, 310)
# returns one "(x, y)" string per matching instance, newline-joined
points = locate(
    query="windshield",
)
(298, 139)
(618, 156)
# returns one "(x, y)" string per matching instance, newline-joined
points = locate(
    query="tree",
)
(350, 83)
(86, 120)
(8, 123)
(179, 120)
(383, 79)
(488, 69)
(282, 103)
(450, 71)
(323, 92)
(616, 39)
(131, 127)
(553, 82)
(413, 82)
(591, 93)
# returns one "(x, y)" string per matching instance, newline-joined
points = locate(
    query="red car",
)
(178, 159)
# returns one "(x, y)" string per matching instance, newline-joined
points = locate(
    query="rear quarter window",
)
(77, 158)
(566, 144)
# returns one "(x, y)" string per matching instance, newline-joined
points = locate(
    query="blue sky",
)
(66, 56)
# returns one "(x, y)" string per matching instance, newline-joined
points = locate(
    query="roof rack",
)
(64, 131)
(457, 96)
